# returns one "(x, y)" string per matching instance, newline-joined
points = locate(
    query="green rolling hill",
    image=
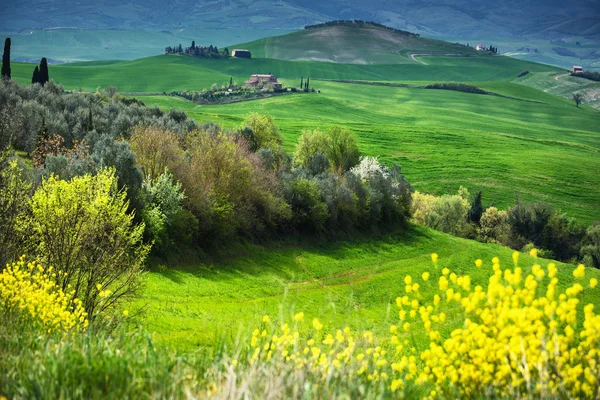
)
(176, 73)
(443, 139)
(351, 45)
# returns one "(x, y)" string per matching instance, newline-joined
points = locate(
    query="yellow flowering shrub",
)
(520, 336)
(29, 294)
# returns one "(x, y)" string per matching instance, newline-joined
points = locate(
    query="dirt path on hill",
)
(419, 61)
(413, 55)
(557, 77)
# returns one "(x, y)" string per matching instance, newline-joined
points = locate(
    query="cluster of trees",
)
(41, 74)
(228, 94)
(591, 75)
(305, 85)
(198, 51)
(360, 23)
(521, 227)
(459, 87)
(30, 113)
(197, 186)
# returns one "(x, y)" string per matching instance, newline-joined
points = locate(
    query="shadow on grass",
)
(281, 260)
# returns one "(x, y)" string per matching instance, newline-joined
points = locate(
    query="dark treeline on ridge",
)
(360, 23)
(198, 51)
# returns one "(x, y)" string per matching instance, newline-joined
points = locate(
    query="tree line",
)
(197, 186)
(360, 23)
(40, 73)
(198, 51)
(521, 227)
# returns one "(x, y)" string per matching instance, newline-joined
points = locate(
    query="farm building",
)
(480, 47)
(576, 69)
(264, 80)
(241, 53)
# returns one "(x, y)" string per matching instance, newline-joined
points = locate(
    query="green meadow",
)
(522, 143)
(344, 283)
(525, 144)
(532, 145)
(176, 73)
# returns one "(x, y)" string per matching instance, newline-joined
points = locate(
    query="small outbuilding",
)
(264, 80)
(576, 69)
(241, 53)
(481, 47)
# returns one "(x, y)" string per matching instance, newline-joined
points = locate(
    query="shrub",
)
(308, 209)
(459, 87)
(342, 150)
(590, 249)
(155, 150)
(309, 144)
(338, 145)
(446, 213)
(162, 199)
(83, 230)
(494, 227)
(14, 196)
(266, 133)
(31, 300)
(527, 223)
(228, 187)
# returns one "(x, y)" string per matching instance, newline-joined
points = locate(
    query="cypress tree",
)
(307, 83)
(476, 210)
(36, 75)
(302, 83)
(90, 121)
(231, 81)
(44, 75)
(6, 60)
(193, 44)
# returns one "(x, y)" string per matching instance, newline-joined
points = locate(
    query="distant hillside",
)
(352, 44)
(464, 18)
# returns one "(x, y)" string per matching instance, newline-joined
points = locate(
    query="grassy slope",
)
(442, 139)
(354, 45)
(90, 44)
(352, 283)
(561, 84)
(169, 73)
(445, 139)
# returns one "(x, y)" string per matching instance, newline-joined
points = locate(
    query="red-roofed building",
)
(576, 69)
(264, 80)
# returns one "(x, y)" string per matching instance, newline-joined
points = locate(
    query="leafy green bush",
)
(447, 213)
(266, 133)
(14, 196)
(162, 198)
(338, 145)
(82, 229)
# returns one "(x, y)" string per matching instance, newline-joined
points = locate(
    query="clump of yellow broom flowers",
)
(520, 336)
(29, 294)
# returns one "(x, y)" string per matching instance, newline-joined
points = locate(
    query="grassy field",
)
(564, 85)
(171, 73)
(533, 144)
(346, 283)
(354, 45)
(541, 149)
(69, 45)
